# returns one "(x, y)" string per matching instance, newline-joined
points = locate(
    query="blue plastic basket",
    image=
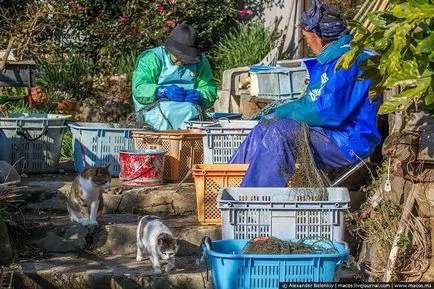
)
(95, 144)
(232, 270)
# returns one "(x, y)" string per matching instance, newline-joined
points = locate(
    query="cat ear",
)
(106, 166)
(160, 240)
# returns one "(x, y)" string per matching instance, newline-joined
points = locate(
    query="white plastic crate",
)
(283, 213)
(221, 140)
(32, 141)
(278, 82)
(195, 124)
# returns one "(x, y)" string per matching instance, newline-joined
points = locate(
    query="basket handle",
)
(25, 134)
(205, 246)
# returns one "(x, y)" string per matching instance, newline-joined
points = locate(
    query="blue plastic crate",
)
(95, 144)
(233, 270)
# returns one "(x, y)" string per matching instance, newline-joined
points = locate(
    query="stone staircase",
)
(55, 253)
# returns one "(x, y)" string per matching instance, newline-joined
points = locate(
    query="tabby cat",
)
(85, 201)
(158, 240)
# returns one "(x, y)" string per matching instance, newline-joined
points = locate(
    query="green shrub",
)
(108, 30)
(22, 107)
(66, 151)
(68, 77)
(6, 92)
(246, 45)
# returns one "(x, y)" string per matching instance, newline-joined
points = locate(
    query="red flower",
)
(160, 8)
(134, 30)
(245, 12)
(124, 20)
(171, 23)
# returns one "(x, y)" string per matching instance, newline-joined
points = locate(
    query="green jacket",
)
(146, 79)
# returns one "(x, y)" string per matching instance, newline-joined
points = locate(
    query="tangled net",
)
(272, 245)
(135, 119)
(308, 173)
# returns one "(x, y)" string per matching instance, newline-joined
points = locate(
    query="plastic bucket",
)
(141, 167)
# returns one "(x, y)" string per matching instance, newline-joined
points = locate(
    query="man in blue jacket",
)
(340, 117)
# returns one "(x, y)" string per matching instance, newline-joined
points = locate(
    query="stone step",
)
(69, 271)
(115, 234)
(47, 193)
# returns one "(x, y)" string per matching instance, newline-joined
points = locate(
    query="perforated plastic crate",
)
(278, 82)
(209, 179)
(184, 149)
(95, 144)
(293, 213)
(221, 140)
(233, 270)
(195, 124)
(32, 141)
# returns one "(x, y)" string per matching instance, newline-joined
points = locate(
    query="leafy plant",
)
(107, 30)
(69, 77)
(348, 8)
(246, 45)
(66, 150)
(23, 107)
(126, 64)
(404, 39)
(6, 92)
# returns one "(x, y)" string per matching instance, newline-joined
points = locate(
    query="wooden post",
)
(5, 57)
(406, 214)
(251, 105)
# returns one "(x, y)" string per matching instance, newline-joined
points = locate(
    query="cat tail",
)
(140, 228)
(148, 218)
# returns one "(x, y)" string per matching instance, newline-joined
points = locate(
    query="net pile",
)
(272, 245)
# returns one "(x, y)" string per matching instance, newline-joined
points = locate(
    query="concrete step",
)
(115, 234)
(47, 193)
(69, 271)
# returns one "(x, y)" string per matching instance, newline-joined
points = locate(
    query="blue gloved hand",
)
(194, 96)
(171, 92)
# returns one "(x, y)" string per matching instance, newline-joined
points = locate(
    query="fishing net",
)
(307, 174)
(136, 119)
(275, 246)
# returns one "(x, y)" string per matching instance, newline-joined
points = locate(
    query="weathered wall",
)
(268, 10)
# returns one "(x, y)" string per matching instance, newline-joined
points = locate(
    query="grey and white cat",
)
(85, 202)
(159, 242)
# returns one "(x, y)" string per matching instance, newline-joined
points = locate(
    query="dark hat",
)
(183, 44)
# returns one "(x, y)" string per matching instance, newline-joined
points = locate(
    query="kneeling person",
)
(177, 73)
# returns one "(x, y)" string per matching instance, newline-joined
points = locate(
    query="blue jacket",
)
(338, 103)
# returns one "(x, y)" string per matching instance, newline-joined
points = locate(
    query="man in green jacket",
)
(171, 82)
